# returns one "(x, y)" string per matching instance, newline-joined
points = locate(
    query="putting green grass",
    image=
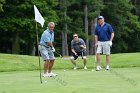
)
(117, 80)
(20, 74)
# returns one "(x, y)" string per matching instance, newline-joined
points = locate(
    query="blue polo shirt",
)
(47, 36)
(104, 33)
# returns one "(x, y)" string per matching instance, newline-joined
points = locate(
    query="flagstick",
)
(38, 53)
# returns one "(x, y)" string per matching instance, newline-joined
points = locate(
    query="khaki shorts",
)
(46, 53)
(103, 47)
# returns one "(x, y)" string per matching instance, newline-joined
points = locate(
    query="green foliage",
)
(18, 17)
(75, 12)
(1, 5)
(118, 13)
(17, 24)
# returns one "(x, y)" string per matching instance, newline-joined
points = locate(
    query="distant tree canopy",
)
(1, 5)
(125, 24)
(17, 24)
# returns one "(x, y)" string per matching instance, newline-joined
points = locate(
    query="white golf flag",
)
(38, 16)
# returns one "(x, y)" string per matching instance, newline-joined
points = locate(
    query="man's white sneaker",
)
(85, 67)
(49, 75)
(52, 74)
(107, 67)
(45, 75)
(98, 68)
(75, 68)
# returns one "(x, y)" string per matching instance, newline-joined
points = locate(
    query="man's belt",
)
(45, 46)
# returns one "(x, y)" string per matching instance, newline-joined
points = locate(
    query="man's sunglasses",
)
(74, 36)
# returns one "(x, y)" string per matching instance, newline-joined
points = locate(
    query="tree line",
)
(18, 27)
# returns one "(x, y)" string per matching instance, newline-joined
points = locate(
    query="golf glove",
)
(82, 46)
(110, 43)
(53, 49)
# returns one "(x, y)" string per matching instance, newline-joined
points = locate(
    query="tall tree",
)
(63, 4)
(82, 11)
(87, 5)
(95, 8)
(86, 25)
(18, 20)
(136, 3)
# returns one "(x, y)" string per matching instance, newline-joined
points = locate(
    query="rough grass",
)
(10, 62)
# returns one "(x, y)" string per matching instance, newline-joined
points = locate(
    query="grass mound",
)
(10, 62)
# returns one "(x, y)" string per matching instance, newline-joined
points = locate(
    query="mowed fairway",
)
(117, 80)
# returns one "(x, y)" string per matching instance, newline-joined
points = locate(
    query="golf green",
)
(122, 80)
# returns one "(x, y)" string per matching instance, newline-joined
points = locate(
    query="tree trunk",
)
(137, 2)
(33, 50)
(86, 26)
(64, 34)
(15, 45)
(64, 44)
(92, 42)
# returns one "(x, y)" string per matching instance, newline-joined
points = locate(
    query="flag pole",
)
(41, 20)
(38, 53)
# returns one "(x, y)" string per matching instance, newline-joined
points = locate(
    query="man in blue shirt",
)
(46, 49)
(104, 35)
(78, 48)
